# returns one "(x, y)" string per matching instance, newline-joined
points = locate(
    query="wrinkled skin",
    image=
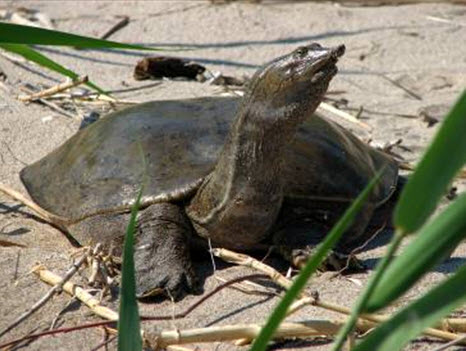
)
(263, 183)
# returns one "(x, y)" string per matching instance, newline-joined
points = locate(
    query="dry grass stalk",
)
(57, 286)
(179, 348)
(54, 90)
(402, 87)
(460, 340)
(246, 331)
(248, 261)
(55, 107)
(278, 278)
(406, 166)
(455, 324)
(81, 294)
(17, 60)
(342, 114)
(39, 211)
(250, 288)
(115, 28)
(49, 104)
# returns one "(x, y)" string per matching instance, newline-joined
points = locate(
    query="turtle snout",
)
(338, 51)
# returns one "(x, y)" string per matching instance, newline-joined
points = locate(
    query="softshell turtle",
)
(234, 171)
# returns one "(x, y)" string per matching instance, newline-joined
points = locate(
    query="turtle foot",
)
(175, 279)
(162, 254)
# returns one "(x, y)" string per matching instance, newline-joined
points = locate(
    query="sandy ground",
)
(419, 46)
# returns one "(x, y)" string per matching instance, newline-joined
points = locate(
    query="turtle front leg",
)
(162, 255)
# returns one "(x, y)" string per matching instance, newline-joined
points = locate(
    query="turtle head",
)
(295, 83)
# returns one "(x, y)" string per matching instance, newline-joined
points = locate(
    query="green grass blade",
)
(445, 156)
(19, 34)
(129, 330)
(35, 56)
(279, 313)
(424, 312)
(432, 244)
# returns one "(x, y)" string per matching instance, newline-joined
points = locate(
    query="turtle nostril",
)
(340, 50)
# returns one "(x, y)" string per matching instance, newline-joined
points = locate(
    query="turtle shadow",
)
(239, 310)
(300, 344)
(449, 265)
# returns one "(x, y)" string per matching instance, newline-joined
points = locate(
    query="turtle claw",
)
(175, 281)
(335, 261)
(340, 262)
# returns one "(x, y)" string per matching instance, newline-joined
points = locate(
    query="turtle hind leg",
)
(303, 245)
(296, 239)
(162, 252)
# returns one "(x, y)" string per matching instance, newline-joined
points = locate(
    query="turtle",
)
(237, 172)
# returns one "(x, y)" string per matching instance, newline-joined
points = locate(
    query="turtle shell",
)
(173, 145)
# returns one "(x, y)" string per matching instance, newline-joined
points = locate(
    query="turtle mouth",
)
(325, 65)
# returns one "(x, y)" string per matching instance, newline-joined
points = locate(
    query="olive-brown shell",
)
(101, 168)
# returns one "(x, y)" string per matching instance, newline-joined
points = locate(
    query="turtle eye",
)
(315, 46)
(301, 51)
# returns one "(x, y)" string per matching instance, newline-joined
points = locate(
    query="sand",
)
(421, 47)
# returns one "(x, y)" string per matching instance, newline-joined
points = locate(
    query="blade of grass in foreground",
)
(129, 330)
(424, 312)
(432, 244)
(279, 313)
(35, 56)
(445, 156)
(19, 34)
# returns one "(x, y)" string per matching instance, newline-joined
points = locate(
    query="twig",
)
(81, 294)
(15, 274)
(50, 104)
(119, 25)
(406, 166)
(250, 288)
(444, 20)
(104, 343)
(56, 331)
(381, 113)
(55, 89)
(460, 340)
(7, 243)
(55, 107)
(59, 314)
(18, 60)
(39, 211)
(402, 87)
(105, 312)
(248, 261)
(342, 114)
(455, 324)
(57, 287)
(179, 348)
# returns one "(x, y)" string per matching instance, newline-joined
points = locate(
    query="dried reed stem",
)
(81, 294)
(245, 331)
(54, 90)
(345, 115)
